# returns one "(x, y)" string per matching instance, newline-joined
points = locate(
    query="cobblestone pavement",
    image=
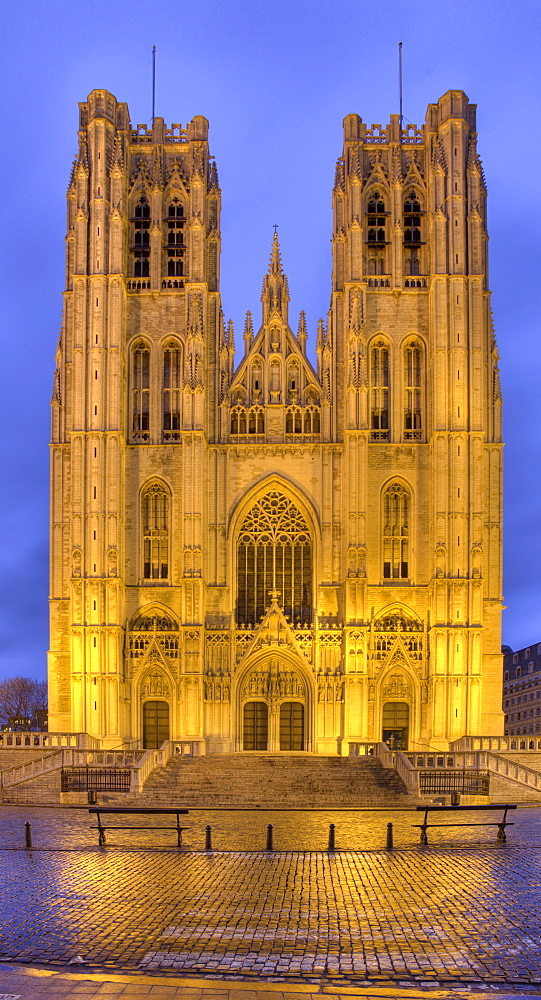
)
(432, 915)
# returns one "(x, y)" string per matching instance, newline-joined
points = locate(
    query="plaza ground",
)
(245, 925)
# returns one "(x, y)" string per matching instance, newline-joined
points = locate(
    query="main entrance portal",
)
(291, 726)
(396, 716)
(155, 724)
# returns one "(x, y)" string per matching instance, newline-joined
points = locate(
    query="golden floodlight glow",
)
(276, 556)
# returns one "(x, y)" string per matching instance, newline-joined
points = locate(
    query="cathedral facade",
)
(276, 556)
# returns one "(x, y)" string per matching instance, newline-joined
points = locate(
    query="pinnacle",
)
(275, 258)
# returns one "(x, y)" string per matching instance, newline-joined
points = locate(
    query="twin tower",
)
(268, 555)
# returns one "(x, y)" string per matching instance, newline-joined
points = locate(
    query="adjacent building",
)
(274, 554)
(522, 690)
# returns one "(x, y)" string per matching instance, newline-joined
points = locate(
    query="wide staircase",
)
(273, 781)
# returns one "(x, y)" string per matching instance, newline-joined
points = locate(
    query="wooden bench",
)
(134, 811)
(454, 809)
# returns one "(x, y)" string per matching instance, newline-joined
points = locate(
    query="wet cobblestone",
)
(435, 916)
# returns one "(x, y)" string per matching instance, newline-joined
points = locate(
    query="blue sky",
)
(275, 81)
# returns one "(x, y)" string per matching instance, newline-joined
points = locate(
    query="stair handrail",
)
(512, 769)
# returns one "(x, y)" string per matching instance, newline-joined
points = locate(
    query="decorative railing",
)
(185, 748)
(412, 282)
(406, 771)
(478, 761)
(362, 749)
(71, 758)
(394, 759)
(138, 285)
(49, 741)
(499, 744)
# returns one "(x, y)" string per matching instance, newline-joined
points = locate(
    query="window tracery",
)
(141, 239)
(174, 239)
(155, 531)
(140, 393)
(380, 384)
(413, 374)
(172, 385)
(376, 220)
(396, 516)
(247, 420)
(274, 552)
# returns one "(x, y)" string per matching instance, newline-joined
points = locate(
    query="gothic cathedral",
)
(276, 556)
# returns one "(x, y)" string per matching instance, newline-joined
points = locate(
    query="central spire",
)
(275, 294)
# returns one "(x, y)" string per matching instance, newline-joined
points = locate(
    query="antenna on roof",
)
(400, 81)
(153, 82)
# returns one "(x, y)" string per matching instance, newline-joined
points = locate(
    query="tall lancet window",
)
(140, 392)
(155, 525)
(172, 384)
(174, 240)
(274, 552)
(396, 518)
(141, 239)
(413, 400)
(380, 384)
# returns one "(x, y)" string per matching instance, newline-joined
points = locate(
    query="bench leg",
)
(101, 830)
(423, 838)
(501, 833)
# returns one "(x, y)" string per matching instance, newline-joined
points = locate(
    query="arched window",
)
(172, 383)
(412, 220)
(379, 391)
(311, 420)
(293, 420)
(396, 516)
(376, 220)
(413, 392)
(238, 420)
(274, 552)
(174, 238)
(141, 239)
(155, 530)
(140, 416)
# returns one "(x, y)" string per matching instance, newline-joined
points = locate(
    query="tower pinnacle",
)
(275, 294)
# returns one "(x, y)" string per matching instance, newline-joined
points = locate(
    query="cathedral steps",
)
(273, 781)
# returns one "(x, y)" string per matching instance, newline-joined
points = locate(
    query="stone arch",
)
(274, 678)
(301, 570)
(397, 686)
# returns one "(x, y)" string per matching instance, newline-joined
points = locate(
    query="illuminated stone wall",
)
(276, 535)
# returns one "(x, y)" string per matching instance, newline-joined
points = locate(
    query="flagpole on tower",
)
(400, 81)
(153, 82)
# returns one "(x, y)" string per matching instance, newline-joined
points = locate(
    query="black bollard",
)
(27, 835)
(331, 838)
(389, 835)
(208, 839)
(269, 837)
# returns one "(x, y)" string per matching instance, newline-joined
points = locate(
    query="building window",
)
(172, 382)
(174, 239)
(155, 524)
(412, 220)
(396, 515)
(247, 421)
(412, 392)
(141, 239)
(379, 391)
(274, 552)
(376, 221)
(140, 419)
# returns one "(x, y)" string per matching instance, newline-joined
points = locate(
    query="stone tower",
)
(276, 557)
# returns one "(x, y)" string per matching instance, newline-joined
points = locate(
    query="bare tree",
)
(23, 702)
